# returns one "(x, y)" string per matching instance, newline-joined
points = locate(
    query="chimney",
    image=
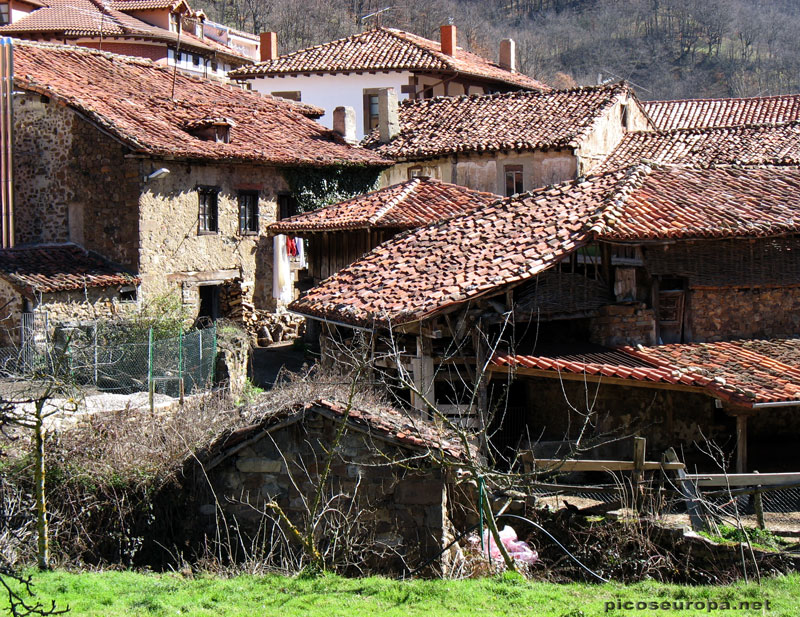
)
(448, 37)
(344, 123)
(388, 115)
(508, 54)
(269, 46)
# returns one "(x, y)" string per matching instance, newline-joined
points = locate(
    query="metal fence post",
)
(180, 366)
(150, 367)
(214, 355)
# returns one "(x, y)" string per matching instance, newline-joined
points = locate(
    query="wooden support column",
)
(741, 443)
(423, 374)
(639, 445)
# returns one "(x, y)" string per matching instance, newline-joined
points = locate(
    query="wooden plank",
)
(602, 465)
(741, 443)
(744, 479)
(639, 444)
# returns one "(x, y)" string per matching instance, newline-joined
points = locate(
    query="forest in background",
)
(664, 48)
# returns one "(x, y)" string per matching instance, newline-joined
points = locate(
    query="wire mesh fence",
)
(173, 366)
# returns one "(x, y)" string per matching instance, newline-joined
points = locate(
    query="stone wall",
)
(624, 324)
(403, 513)
(10, 315)
(666, 418)
(42, 192)
(723, 314)
(170, 241)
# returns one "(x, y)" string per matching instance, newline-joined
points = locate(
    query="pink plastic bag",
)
(517, 549)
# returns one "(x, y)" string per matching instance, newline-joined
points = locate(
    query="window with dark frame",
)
(287, 206)
(371, 109)
(5, 15)
(248, 212)
(208, 198)
(514, 183)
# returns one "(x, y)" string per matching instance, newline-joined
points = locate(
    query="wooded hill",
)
(665, 48)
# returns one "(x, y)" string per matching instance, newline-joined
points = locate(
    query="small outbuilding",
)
(385, 505)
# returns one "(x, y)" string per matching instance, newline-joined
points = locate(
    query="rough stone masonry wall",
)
(10, 315)
(666, 418)
(401, 510)
(723, 314)
(624, 324)
(72, 182)
(42, 144)
(171, 244)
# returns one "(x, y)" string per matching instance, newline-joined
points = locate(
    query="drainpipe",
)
(6, 143)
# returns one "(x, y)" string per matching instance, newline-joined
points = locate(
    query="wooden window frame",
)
(207, 210)
(248, 213)
(518, 178)
(368, 94)
(287, 206)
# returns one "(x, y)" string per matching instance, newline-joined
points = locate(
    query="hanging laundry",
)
(291, 246)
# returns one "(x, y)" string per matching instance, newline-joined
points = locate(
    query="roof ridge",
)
(723, 98)
(398, 34)
(611, 207)
(395, 201)
(520, 94)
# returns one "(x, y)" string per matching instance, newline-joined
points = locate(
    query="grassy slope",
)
(112, 594)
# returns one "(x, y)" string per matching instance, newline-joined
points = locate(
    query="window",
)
(127, 293)
(196, 60)
(248, 212)
(415, 172)
(174, 22)
(623, 116)
(207, 212)
(287, 206)
(4, 14)
(513, 179)
(371, 113)
(292, 95)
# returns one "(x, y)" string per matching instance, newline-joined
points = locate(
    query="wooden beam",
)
(744, 479)
(602, 465)
(741, 443)
(586, 377)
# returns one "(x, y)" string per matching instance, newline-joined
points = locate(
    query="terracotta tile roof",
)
(493, 122)
(707, 113)
(422, 272)
(407, 205)
(766, 144)
(131, 98)
(744, 373)
(386, 49)
(380, 422)
(88, 18)
(146, 5)
(62, 267)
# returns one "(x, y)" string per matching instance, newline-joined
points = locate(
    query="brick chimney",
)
(508, 54)
(448, 37)
(269, 46)
(388, 115)
(344, 123)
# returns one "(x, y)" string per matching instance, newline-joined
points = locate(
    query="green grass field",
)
(112, 594)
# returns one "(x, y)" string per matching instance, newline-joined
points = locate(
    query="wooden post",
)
(741, 443)
(639, 445)
(423, 374)
(758, 505)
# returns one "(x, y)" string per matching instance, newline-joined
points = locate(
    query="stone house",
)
(65, 282)
(165, 31)
(349, 72)
(659, 257)
(172, 177)
(506, 143)
(398, 514)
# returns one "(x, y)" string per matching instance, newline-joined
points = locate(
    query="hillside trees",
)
(667, 48)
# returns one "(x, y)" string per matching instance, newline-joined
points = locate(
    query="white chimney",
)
(508, 54)
(388, 115)
(344, 123)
